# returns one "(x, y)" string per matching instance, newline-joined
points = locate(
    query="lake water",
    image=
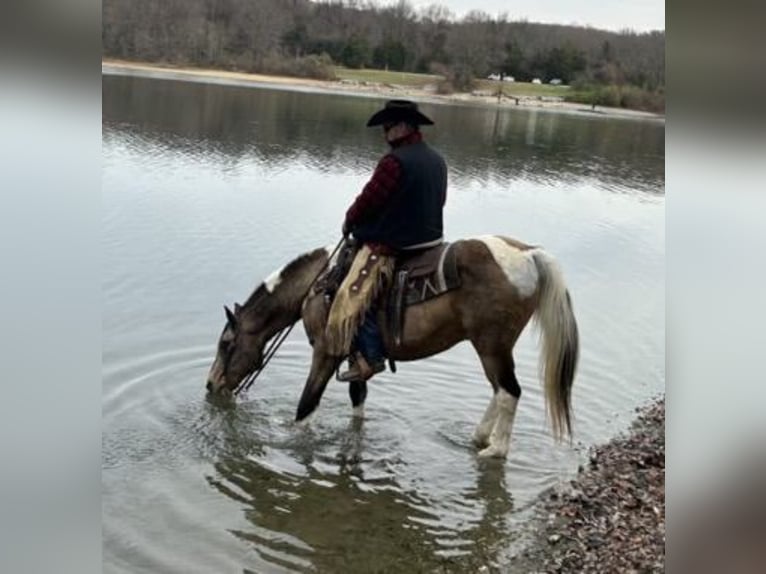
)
(207, 189)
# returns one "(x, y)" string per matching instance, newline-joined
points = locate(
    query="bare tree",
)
(260, 34)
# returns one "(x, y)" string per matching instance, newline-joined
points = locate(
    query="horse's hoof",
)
(358, 412)
(492, 451)
(305, 421)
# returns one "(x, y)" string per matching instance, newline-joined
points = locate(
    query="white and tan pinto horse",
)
(503, 283)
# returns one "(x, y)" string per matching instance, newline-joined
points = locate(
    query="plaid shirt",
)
(383, 184)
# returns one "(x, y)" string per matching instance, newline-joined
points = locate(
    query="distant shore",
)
(364, 89)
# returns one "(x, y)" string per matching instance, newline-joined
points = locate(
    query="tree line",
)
(301, 37)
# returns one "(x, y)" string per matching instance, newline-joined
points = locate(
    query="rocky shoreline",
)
(611, 517)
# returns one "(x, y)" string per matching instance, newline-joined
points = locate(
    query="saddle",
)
(419, 276)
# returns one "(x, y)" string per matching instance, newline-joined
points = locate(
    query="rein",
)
(280, 337)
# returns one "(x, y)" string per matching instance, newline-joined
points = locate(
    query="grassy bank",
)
(522, 89)
(422, 81)
(386, 77)
(626, 97)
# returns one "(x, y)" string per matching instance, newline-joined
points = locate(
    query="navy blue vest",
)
(414, 213)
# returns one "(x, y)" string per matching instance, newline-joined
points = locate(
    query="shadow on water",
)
(272, 127)
(319, 500)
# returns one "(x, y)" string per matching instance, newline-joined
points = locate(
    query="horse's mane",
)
(287, 275)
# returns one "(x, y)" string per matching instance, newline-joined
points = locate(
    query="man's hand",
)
(346, 230)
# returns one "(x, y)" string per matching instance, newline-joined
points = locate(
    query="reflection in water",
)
(350, 512)
(274, 127)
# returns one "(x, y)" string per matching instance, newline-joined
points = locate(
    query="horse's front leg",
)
(322, 368)
(357, 390)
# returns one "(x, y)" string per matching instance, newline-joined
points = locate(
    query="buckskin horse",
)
(502, 284)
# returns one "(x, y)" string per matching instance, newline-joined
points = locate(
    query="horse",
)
(503, 284)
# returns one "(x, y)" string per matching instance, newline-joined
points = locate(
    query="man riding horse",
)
(399, 210)
(483, 290)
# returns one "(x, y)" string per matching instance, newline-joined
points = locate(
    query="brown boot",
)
(361, 370)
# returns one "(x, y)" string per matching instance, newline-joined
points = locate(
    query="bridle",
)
(277, 340)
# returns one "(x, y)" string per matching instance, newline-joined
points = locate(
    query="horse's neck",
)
(286, 288)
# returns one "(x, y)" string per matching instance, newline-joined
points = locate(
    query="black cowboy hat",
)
(396, 111)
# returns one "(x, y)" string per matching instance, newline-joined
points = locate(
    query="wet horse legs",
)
(482, 432)
(322, 368)
(494, 430)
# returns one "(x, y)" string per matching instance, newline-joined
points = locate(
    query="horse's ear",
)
(237, 308)
(230, 316)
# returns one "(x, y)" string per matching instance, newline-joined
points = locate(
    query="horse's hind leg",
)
(494, 430)
(482, 432)
(358, 392)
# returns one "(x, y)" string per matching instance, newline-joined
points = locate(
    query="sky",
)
(615, 15)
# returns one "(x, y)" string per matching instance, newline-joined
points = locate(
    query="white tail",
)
(560, 343)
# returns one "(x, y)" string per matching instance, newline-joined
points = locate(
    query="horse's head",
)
(273, 306)
(240, 351)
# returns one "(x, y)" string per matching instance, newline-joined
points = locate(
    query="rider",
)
(399, 209)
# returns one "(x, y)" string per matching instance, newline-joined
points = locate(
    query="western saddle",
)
(419, 276)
